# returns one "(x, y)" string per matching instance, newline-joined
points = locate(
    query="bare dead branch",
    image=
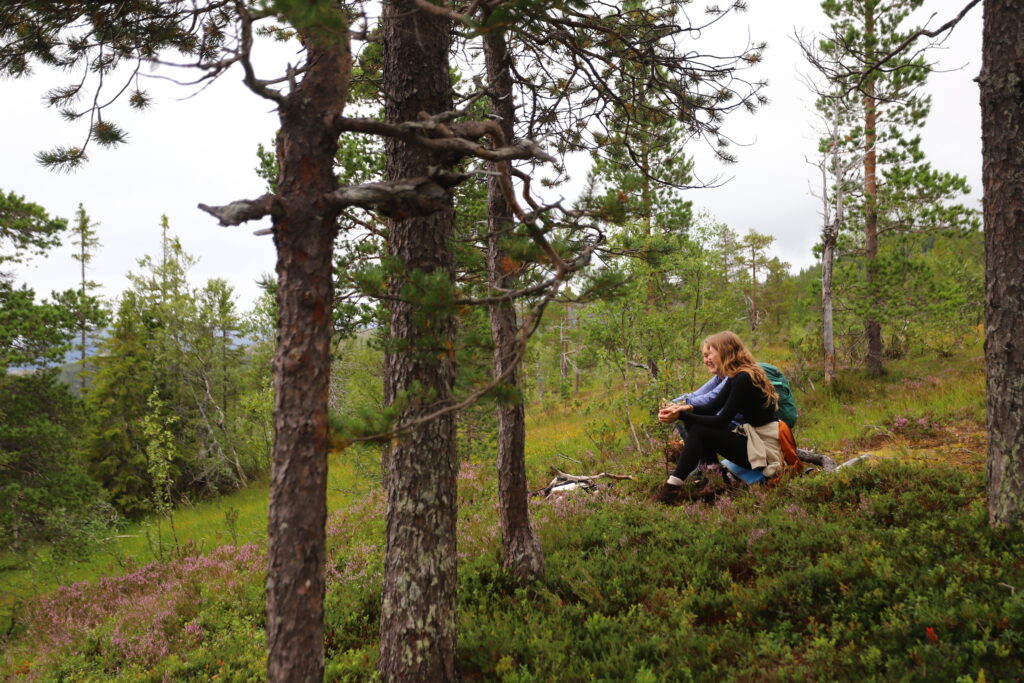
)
(244, 58)
(585, 481)
(867, 64)
(412, 132)
(441, 11)
(413, 196)
(243, 210)
(912, 38)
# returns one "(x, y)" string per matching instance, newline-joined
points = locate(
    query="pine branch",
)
(912, 38)
(459, 139)
(243, 210)
(412, 196)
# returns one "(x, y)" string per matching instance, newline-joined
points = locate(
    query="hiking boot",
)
(667, 494)
(709, 486)
(731, 480)
(673, 449)
(698, 478)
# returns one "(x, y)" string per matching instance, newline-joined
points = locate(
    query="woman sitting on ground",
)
(754, 444)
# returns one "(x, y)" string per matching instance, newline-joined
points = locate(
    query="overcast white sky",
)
(186, 151)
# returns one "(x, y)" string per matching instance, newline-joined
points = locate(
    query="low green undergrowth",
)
(882, 573)
(237, 519)
(857, 409)
(885, 572)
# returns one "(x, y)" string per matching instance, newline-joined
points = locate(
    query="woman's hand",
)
(670, 413)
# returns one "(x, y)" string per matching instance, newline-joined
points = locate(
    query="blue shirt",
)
(707, 394)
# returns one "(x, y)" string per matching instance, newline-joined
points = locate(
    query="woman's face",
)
(712, 360)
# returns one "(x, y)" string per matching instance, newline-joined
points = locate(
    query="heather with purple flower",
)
(911, 427)
(847, 560)
(133, 622)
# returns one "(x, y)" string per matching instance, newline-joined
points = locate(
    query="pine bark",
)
(647, 202)
(81, 326)
(872, 327)
(827, 324)
(753, 288)
(418, 618)
(1002, 125)
(304, 232)
(521, 550)
(829, 237)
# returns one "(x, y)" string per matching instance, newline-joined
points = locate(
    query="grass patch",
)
(238, 518)
(857, 410)
(880, 572)
(885, 572)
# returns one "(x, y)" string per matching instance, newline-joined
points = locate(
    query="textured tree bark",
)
(829, 237)
(827, 326)
(418, 619)
(304, 231)
(872, 328)
(1002, 126)
(753, 288)
(521, 550)
(648, 203)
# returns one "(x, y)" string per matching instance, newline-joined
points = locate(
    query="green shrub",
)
(45, 491)
(886, 572)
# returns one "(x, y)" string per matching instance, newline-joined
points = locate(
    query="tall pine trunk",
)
(646, 198)
(872, 327)
(521, 551)
(753, 290)
(828, 240)
(304, 232)
(82, 341)
(418, 619)
(1002, 126)
(827, 326)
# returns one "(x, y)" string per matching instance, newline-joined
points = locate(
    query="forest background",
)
(170, 400)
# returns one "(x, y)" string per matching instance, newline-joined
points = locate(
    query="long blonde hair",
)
(735, 357)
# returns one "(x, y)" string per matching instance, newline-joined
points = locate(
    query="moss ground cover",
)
(886, 571)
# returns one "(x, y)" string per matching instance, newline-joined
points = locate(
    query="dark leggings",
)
(703, 444)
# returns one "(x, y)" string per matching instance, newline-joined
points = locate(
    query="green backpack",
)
(787, 406)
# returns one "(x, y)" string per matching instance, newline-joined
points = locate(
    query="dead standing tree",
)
(837, 167)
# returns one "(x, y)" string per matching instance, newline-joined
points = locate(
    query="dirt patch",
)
(961, 444)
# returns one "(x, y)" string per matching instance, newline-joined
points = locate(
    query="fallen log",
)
(820, 460)
(565, 482)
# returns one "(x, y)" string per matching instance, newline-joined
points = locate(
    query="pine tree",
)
(26, 229)
(521, 550)
(125, 376)
(31, 333)
(45, 491)
(753, 248)
(89, 311)
(1002, 123)
(901, 192)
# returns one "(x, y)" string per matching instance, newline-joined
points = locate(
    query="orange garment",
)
(787, 447)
